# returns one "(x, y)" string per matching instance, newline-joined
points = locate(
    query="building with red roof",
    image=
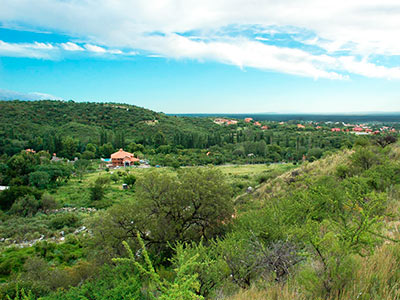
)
(257, 123)
(248, 120)
(335, 130)
(122, 158)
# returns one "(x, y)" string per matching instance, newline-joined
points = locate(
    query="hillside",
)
(25, 119)
(95, 130)
(344, 211)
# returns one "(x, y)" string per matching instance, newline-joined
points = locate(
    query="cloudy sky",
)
(205, 56)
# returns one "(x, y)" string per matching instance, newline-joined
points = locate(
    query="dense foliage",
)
(94, 130)
(321, 224)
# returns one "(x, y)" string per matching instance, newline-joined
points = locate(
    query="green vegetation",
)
(322, 227)
(94, 130)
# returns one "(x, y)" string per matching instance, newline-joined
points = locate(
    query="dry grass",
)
(276, 292)
(325, 166)
(377, 277)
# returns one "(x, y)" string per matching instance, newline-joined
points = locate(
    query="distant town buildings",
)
(221, 121)
(248, 120)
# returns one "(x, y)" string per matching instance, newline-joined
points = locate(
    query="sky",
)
(209, 56)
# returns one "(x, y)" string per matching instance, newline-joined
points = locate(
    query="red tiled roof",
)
(121, 154)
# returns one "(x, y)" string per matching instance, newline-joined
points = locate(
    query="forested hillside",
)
(94, 130)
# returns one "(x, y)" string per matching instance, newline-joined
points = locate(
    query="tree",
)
(69, 147)
(39, 179)
(159, 139)
(130, 180)
(383, 141)
(193, 205)
(81, 167)
(97, 191)
(106, 150)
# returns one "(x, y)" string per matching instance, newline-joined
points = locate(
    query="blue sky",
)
(208, 57)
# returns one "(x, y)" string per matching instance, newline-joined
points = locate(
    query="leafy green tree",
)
(57, 171)
(39, 179)
(9, 196)
(97, 192)
(106, 150)
(81, 166)
(194, 205)
(130, 180)
(91, 147)
(69, 147)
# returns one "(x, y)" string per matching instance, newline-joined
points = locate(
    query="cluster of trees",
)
(182, 236)
(94, 130)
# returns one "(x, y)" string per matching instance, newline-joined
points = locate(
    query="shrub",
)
(25, 206)
(64, 220)
(130, 180)
(97, 192)
(48, 202)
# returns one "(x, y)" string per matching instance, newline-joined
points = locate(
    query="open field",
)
(76, 192)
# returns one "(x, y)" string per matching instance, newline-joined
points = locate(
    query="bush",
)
(64, 220)
(25, 206)
(130, 180)
(97, 192)
(48, 202)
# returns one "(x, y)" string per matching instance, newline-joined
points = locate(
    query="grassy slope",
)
(377, 269)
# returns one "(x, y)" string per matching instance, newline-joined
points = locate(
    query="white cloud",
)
(32, 50)
(13, 95)
(52, 51)
(69, 46)
(94, 48)
(360, 27)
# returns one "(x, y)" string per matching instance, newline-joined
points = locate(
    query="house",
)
(300, 126)
(335, 130)
(225, 121)
(122, 158)
(358, 129)
(257, 123)
(30, 151)
(264, 127)
(231, 122)
(220, 121)
(248, 120)
(54, 158)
